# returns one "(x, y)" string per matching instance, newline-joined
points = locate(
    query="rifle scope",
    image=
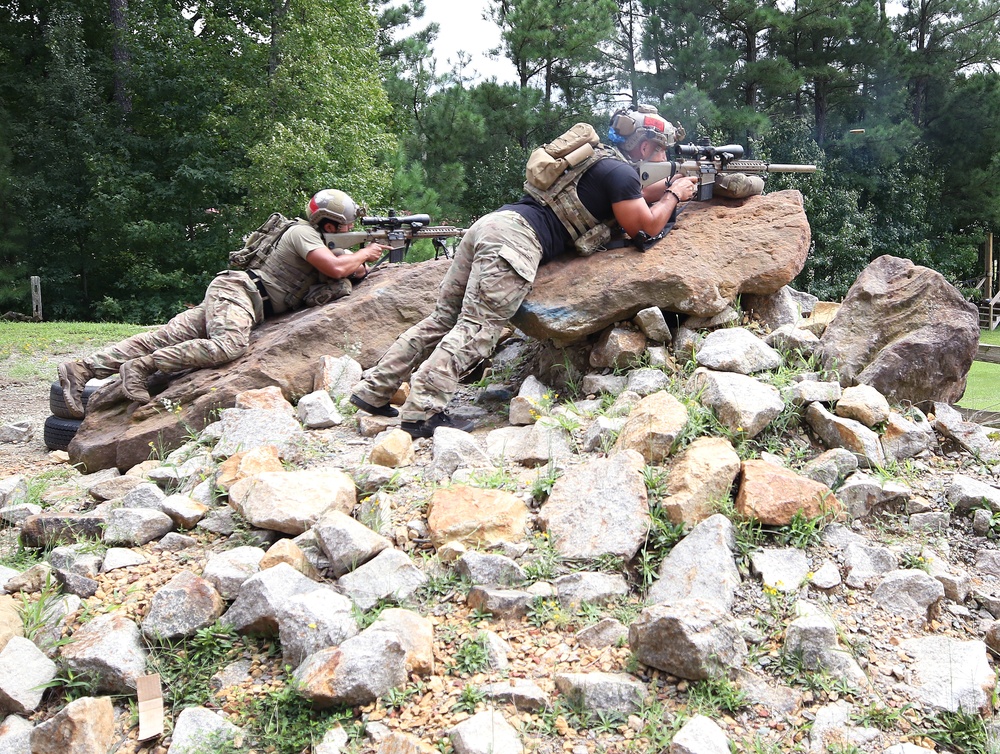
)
(703, 151)
(394, 221)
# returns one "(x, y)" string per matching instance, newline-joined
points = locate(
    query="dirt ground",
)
(26, 398)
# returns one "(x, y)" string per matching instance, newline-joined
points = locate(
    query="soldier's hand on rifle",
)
(373, 251)
(683, 187)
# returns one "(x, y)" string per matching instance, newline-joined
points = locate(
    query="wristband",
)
(675, 195)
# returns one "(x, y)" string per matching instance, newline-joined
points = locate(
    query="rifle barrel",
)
(757, 166)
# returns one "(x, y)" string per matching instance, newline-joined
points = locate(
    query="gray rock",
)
(593, 587)
(522, 693)
(742, 403)
(263, 598)
(391, 573)
(229, 569)
(699, 735)
(599, 508)
(318, 411)
(949, 674)
(186, 604)
(313, 621)
(198, 729)
(135, 526)
(608, 632)
(486, 732)
(602, 693)
(489, 570)
(109, 652)
(24, 673)
(244, 429)
(453, 449)
(690, 638)
(783, 569)
(347, 543)
(701, 565)
(359, 671)
(911, 593)
(735, 349)
(831, 467)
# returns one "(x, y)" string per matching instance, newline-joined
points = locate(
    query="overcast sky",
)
(463, 28)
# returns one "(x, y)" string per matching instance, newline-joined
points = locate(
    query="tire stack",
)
(61, 427)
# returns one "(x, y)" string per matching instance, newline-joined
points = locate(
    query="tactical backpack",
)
(547, 163)
(551, 178)
(258, 245)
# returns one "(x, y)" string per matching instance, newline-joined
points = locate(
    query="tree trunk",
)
(120, 56)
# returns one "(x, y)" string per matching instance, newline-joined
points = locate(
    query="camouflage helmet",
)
(629, 128)
(331, 204)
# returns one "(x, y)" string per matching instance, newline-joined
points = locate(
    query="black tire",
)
(57, 402)
(59, 432)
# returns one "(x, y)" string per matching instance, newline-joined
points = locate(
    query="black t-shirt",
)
(607, 182)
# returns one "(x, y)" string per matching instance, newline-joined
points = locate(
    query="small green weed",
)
(468, 699)
(541, 488)
(545, 610)
(472, 656)
(964, 732)
(495, 479)
(880, 716)
(285, 722)
(186, 665)
(911, 560)
(710, 696)
(544, 562)
(661, 537)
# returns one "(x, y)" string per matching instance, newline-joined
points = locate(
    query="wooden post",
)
(36, 298)
(988, 291)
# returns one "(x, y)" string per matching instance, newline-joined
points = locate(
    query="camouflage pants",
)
(215, 332)
(492, 272)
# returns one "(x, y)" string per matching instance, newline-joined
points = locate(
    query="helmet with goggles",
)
(331, 204)
(629, 128)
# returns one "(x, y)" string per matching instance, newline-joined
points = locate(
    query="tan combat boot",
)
(134, 373)
(73, 378)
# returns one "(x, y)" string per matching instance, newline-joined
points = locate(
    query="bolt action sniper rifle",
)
(703, 161)
(390, 231)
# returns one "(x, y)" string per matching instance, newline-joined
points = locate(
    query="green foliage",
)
(964, 732)
(663, 534)
(543, 563)
(471, 656)
(710, 696)
(469, 698)
(186, 665)
(285, 722)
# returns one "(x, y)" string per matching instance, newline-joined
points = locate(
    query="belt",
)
(268, 308)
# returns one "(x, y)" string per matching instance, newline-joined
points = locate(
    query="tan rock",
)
(653, 426)
(393, 450)
(702, 476)
(773, 495)
(415, 632)
(268, 398)
(82, 726)
(476, 516)
(286, 551)
(11, 623)
(716, 251)
(292, 501)
(248, 463)
(618, 347)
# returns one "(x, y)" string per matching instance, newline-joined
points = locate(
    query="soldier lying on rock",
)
(285, 276)
(579, 192)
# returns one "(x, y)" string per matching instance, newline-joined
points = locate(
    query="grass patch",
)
(984, 379)
(31, 351)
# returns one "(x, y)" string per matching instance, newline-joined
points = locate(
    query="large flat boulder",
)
(284, 351)
(716, 251)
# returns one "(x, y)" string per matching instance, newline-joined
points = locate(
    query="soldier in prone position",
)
(579, 193)
(299, 270)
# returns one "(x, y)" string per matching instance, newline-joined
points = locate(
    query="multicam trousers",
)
(215, 332)
(492, 272)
